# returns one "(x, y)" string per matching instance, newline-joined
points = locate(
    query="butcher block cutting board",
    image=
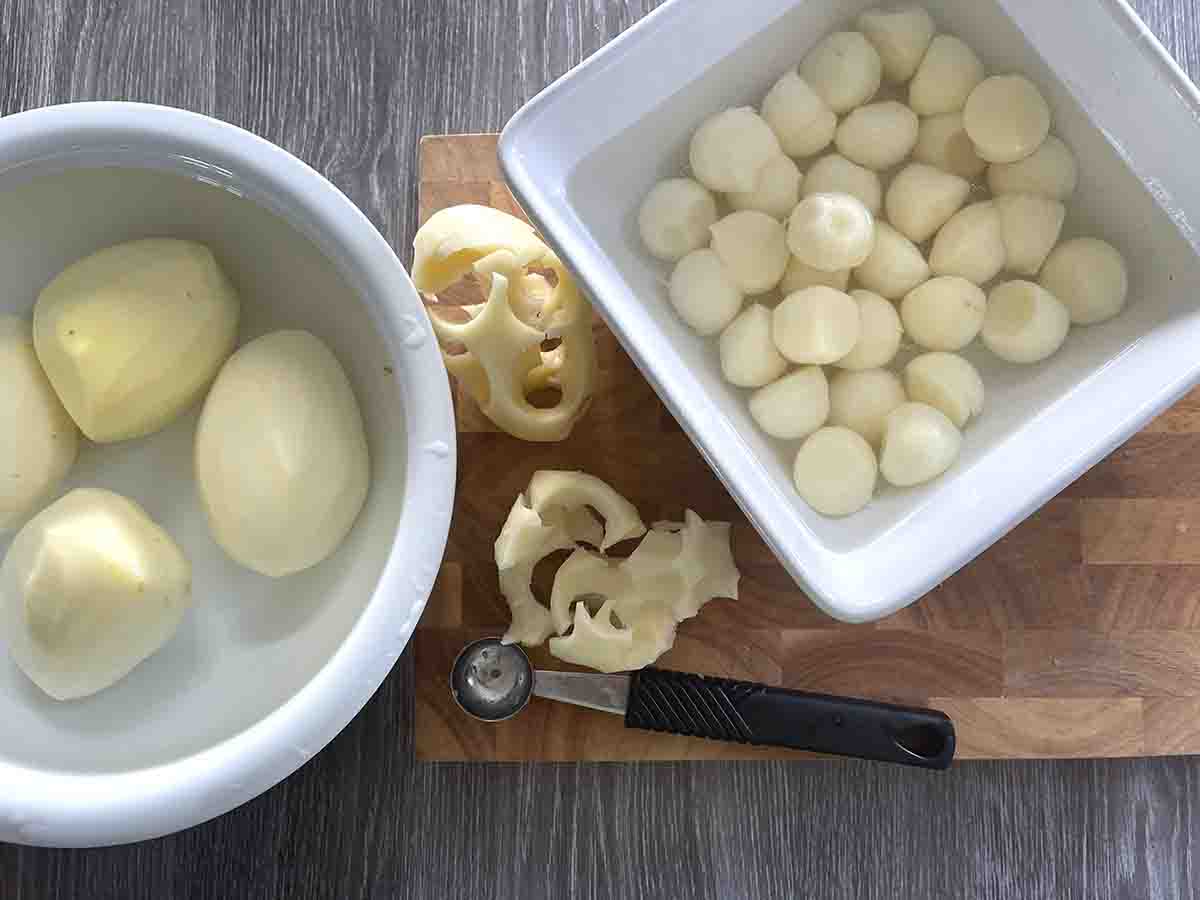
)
(1077, 635)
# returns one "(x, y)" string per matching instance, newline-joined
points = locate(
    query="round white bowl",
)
(262, 673)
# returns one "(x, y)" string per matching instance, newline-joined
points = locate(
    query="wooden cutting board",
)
(1077, 635)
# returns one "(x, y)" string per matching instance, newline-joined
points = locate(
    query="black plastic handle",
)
(748, 713)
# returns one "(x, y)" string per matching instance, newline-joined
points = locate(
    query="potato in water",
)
(130, 336)
(281, 455)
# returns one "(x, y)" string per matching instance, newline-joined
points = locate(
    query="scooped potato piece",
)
(551, 489)
(1030, 225)
(798, 116)
(831, 231)
(585, 573)
(777, 190)
(749, 357)
(878, 135)
(946, 382)
(675, 217)
(1007, 118)
(835, 471)
(455, 239)
(879, 333)
(1089, 276)
(970, 245)
(729, 149)
(861, 401)
(89, 588)
(921, 199)
(919, 444)
(1025, 323)
(132, 335)
(794, 406)
(753, 247)
(948, 73)
(943, 142)
(895, 265)
(1049, 171)
(815, 326)
(281, 454)
(38, 440)
(900, 36)
(834, 174)
(945, 313)
(844, 69)
(798, 276)
(703, 292)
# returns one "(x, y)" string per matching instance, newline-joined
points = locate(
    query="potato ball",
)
(943, 142)
(749, 357)
(948, 73)
(831, 231)
(835, 472)
(861, 400)
(1030, 225)
(675, 217)
(895, 265)
(800, 119)
(1025, 323)
(753, 247)
(703, 293)
(879, 333)
(777, 191)
(844, 69)
(1007, 118)
(728, 150)
(919, 444)
(834, 174)
(1089, 276)
(970, 245)
(815, 326)
(946, 382)
(1050, 171)
(944, 313)
(878, 135)
(921, 199)
(900, 36)
(799, 276)
(794, 406)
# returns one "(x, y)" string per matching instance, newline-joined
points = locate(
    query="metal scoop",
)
(493, 681)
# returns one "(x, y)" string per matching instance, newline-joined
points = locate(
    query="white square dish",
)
(581, 155)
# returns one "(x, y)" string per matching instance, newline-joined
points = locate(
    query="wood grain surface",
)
(350, 86)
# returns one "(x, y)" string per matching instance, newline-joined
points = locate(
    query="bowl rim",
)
(96, 809)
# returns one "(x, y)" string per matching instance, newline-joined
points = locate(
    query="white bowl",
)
(263, 673)
(1126, 109)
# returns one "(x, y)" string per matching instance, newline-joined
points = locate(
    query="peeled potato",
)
(835, 471)
(281, 454)
(919, 444)
(862, 400)
(1089, 277)
(90, 587)
(834, 174)
(943, 142)
(749, 357)
(1006, 117)
(879, 333)
(844, 69)
(754, 249)
(900, 36)
(948, 73)
(878, 135)
(703, 293)
(1050, 171)
(794, 406)
(895, 265)
(675, 216)
(831, 231)
(777, 190)
(798, 276)
(800, 119)
(130, 336)
(38, 440)
(1030, 225)
(729, 149)
(970, 245)
(921, 199)
(815, 326)
(1025, 323)
(946, 382)
(945, 313)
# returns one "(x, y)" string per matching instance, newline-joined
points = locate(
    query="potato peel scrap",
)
(504, 362)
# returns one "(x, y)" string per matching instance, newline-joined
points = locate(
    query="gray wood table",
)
(349, 86)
